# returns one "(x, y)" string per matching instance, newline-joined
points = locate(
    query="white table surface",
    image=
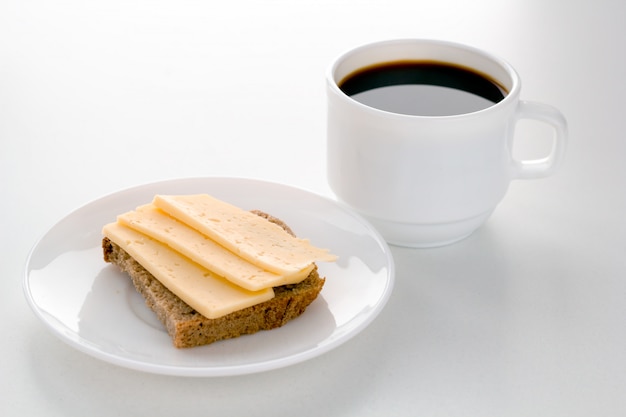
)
(527, 317)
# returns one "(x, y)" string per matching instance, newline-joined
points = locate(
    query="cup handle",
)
(546, 166)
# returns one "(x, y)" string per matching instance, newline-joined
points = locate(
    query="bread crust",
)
(188, 328)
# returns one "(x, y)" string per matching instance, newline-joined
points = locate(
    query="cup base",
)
(430, 235)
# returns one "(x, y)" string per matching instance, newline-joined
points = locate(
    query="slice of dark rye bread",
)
(188, 328)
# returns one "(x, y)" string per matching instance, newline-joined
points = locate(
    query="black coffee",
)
(422, 88)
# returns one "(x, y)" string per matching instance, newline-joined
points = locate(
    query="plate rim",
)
(85, 346)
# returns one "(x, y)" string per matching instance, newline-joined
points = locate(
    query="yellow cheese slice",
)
(153, 222)
(255, 239)
(209, 294)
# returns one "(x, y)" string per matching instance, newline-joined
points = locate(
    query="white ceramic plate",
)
(94, 307)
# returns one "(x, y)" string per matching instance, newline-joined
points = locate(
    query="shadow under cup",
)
(426, 180)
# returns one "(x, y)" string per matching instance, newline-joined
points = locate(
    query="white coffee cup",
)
(426, 181)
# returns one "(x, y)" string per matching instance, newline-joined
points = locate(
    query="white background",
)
(527, 317)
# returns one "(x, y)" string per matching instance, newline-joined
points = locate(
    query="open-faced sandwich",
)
(212, 271)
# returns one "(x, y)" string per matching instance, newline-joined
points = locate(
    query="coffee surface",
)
(422, 88)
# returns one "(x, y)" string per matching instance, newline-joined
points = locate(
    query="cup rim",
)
(512, 93)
